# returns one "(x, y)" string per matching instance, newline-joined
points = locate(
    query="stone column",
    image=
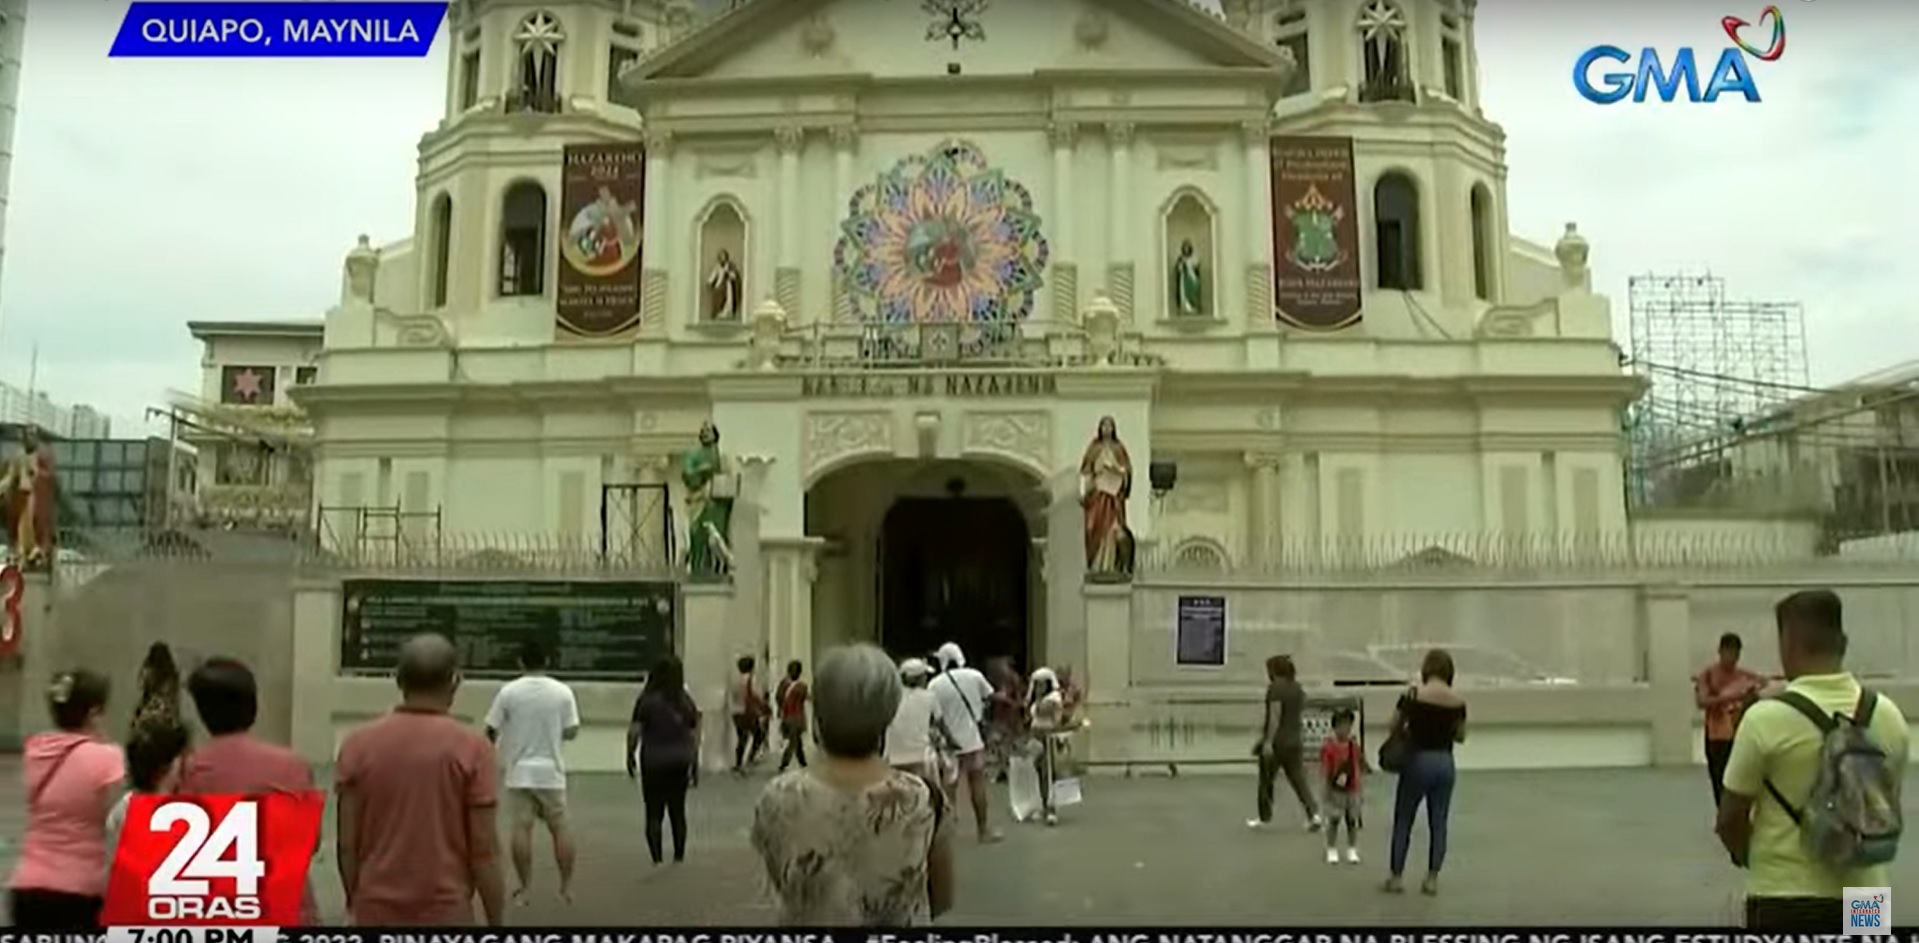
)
(1263, 531)
(1065, 272)
(705, 609)
(846, 140)
(653, 222)
(1109, 668)
(1119, 222)
(1257, 187)
(786, 278)
(791, 570)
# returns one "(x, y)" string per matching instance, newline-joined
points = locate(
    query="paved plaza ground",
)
(1534, 848)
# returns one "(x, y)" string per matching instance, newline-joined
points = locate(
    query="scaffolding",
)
(1714, 366)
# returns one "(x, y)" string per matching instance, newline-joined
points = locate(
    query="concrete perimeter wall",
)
(1614, 650)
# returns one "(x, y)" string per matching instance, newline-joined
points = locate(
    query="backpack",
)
(1852, 818)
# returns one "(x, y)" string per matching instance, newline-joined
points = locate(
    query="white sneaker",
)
(1255, 824)
(1332, 856)
(1352, 856)
(1313, 824)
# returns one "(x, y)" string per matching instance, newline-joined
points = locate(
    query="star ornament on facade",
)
(1381, 19)
(248, 384)
(540, 35)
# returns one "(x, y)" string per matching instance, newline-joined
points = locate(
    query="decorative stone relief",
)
(786, 289)
(1259, 294)
(1198, 497)
(769, 326)
(416, 330)
(1065, 290)
(1120, 133)
(1092, 29)
(1187, 157)
(789, 138)
(361, 264)
(1255, 133)
(1064, 135)
(1027, 436)
(831, 436)
(845, 137)
(731, 163)
(1573, 251)
(1119, 288)
(816, 37)
(659, 143)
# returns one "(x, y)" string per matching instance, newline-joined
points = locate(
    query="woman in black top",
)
(1282, 744)
(663, 750)
(1431, 717)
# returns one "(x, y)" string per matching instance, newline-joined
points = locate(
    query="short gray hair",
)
(856, 692)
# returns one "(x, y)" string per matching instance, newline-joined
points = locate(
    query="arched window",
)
(538, 87)
(1396, 232)
(440, 242)
(1480, 206)
(523, 240)
(1382, 46)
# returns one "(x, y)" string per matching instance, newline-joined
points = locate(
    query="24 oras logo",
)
(215, 860)
(1731, 72)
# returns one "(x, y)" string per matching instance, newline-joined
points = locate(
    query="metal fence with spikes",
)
(1642, 553)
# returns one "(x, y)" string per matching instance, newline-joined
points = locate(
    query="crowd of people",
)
(1806, 772)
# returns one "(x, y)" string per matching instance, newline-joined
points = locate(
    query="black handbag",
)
(1393, 752)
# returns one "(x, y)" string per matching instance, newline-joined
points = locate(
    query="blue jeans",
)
(1428, 777)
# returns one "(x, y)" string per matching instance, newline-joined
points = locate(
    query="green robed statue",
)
(710, 486)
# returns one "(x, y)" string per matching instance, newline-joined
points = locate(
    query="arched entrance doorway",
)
(919, 553)
(954, 569)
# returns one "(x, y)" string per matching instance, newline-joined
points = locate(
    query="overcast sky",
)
(147, 193)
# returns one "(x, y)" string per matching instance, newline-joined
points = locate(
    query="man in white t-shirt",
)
(963, 693)
(529, 720)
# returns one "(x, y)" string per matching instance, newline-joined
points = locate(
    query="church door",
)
(954, 570)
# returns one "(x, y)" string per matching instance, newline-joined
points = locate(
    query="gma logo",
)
(1649, 76)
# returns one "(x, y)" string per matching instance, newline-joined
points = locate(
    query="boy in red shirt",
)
(1344, 767)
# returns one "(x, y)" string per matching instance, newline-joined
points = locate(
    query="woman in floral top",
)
(852, 841)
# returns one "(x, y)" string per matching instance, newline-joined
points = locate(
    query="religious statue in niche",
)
(1106, 482)
(723, 289)
(1382, 32)
(711, 487)
(1189, 299)
(29, 489)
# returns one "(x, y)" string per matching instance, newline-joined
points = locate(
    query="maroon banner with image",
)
(602, 200)
(1316, 282)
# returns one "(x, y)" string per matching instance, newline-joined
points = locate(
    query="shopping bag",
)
(1022, 787)
(1066, 792)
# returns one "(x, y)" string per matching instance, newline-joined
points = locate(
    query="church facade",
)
(905, 258)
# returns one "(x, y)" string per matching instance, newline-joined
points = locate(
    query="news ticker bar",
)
(943, 935)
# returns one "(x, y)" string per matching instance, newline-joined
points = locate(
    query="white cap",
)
(915, 668)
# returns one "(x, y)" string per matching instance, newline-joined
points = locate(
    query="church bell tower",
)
(524, 80)
(1401, 77)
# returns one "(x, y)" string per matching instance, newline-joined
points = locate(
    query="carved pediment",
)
(794, 37)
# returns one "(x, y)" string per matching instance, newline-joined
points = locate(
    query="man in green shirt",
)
(1777, 748)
